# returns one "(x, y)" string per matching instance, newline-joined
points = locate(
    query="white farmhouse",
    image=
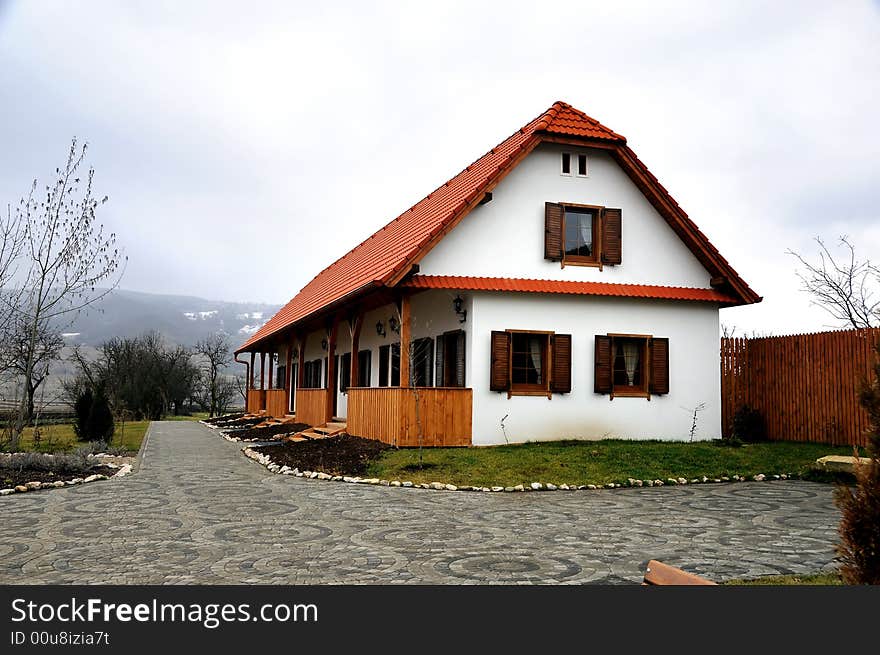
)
(553, 289)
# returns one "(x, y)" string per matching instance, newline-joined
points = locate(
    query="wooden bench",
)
(658, 573)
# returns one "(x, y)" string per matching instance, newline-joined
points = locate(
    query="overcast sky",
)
(244, 146)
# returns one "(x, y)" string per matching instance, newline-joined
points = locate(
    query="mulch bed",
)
(342, 455)
(266, 433)
(11, 477)
(224, 419)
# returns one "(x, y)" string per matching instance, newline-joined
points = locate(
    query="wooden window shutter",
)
(553, 219)
(603, 380)
(500, 368)
(440, 358)
(561, 380)
(659, 366)
(612, 248)
(459, 360)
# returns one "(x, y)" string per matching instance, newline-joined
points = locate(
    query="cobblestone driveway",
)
(197, 511)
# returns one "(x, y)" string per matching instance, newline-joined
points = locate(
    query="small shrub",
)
(859, 550)
(748, 425)
(94, 420)
(76, 462)
(101, 418)
(83, 409)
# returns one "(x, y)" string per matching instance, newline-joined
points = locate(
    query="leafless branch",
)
(844, 286)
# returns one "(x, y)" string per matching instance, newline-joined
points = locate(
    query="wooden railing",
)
(397, 416)
(256, 400)
(804, 385)
(311, 406)
(276, 402)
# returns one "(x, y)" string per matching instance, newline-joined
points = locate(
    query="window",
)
(384, 361)
(395, 364)
(345, 373)
(566, 163)
(312, 374)
(631, 365)
(579, 225)
(530, 363)
(449, 355)
(364, 360)
(528, 366)
(421, 364)
(281, 377)
(582, 235)
(628, 358)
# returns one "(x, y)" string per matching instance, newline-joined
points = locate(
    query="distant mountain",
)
(182, 320)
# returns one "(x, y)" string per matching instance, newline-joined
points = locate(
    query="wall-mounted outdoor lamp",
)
(458, 306)
(394, 324)
(324, 344)
(380, 328)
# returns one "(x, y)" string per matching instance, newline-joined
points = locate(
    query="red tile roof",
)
(385, 256)
(525, 285)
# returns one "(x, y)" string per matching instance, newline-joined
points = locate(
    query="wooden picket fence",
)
(804, 385)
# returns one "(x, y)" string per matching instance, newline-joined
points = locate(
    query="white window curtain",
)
(631, 360)
(586, 225)
(535, 354)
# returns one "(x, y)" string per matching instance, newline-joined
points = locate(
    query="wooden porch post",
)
(271, 379)
(250, 383)
(262, 371)
(288, 376)
(331, 369)
(300, 368)
(355, 344)
(404, 340)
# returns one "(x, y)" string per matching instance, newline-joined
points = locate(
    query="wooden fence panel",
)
(256, 401)
(393, 415)
(311, 406)
(804, 385)
(276, 402)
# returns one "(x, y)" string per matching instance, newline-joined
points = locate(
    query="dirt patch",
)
(12, 477)
(266, 433)
(342, 455)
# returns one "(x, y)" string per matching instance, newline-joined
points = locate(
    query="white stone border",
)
(266, 461)
(124, 470)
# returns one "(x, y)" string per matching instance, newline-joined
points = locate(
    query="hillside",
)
(181, 319)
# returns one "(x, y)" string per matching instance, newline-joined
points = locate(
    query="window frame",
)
(586, 173)
(525, 389)
(627, 391)
(595, 260)
(562, 157)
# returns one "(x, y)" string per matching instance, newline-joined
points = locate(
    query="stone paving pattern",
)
(198, 512)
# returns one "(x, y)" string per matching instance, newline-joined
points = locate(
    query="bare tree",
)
(11, 241)
(844, 286)
(215, 356)
(65, 257)
(43, 352)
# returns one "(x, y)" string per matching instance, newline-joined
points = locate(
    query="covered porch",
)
(387, 382)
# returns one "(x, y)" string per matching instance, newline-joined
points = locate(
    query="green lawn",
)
(60, 437)
(814, 579)
(596, 462)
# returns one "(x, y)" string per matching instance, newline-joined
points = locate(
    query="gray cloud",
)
(231, 139)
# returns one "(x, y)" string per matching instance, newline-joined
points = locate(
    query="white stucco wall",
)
(505, 237)
(694, 369)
